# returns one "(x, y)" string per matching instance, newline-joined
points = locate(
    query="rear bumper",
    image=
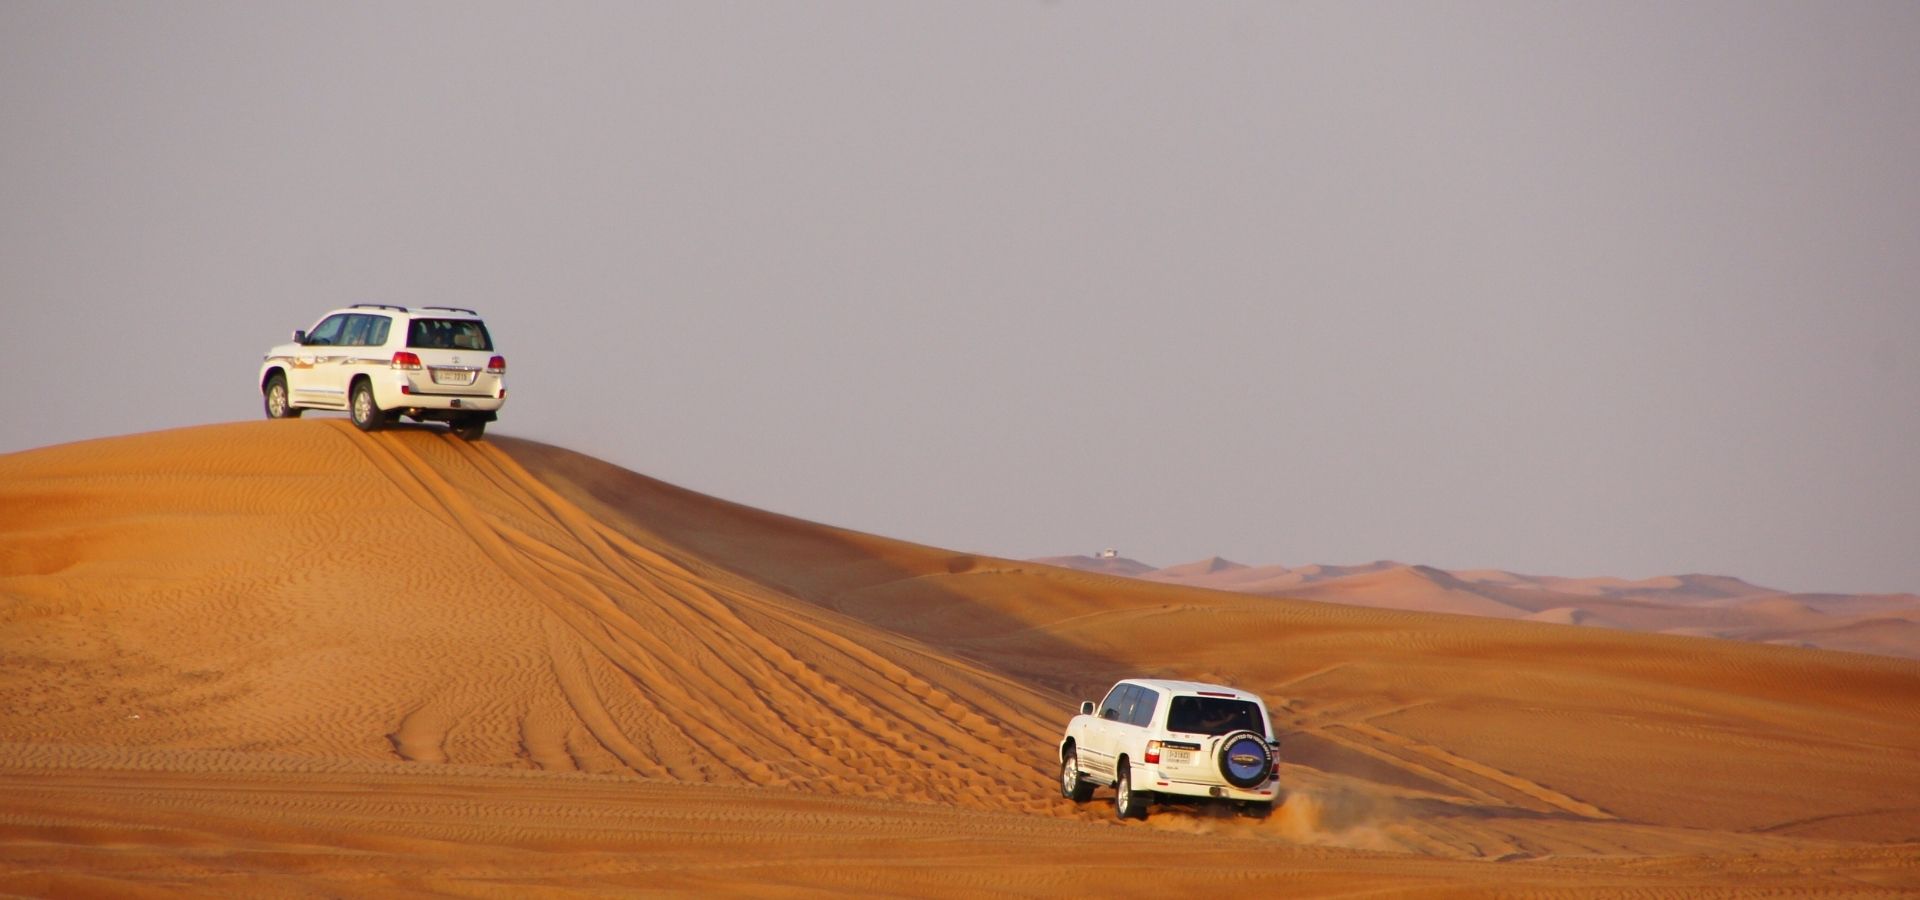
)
(1265, 793)
(449, 401)
(402, 395)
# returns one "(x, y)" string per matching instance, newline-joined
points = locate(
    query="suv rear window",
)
(448, 334)
(1213, 715)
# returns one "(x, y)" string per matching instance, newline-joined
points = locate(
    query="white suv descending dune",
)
(1154, 740)
(430, 364)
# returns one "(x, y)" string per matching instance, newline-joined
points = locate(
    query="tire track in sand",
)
(592, 615)
(725, 608)
(819, 708)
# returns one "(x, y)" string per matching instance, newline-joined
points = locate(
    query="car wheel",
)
(1256, 810)
(469, 429)
(1245, 759)
(1072, 786)
(278, 406)
(1127, 804)
(367, 415)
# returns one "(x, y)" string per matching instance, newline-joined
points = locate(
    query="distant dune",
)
(290, 659)
(1103, 565)
(1700, 605)
(1572, 615)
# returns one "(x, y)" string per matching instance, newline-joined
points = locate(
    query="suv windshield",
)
(1213, 715)
(448, 334)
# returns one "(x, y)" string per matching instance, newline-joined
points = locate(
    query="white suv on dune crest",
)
(433, 363)
(1172, 741)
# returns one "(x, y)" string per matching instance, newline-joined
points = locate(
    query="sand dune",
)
(1106, 565)
(288, 658)
(1572, 615)
(1699, 605)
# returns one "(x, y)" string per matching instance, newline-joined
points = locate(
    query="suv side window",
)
(366, 331)
(1114, 707)
(328, 331)
(1127, 701)
(1143, 705)
(355, 334)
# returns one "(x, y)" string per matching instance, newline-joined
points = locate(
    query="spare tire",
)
(1245, 759)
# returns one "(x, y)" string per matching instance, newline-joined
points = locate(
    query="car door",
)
(359, 350)
(316, 376)
(346, 360)
(1130, 730)
(1097, 747)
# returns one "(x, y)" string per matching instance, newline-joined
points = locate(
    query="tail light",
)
(497, 366)
(406, 360)
(1153, 751)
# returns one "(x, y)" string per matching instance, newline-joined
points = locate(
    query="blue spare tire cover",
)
(1245, 759)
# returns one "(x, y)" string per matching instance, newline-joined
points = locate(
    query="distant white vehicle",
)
(376, 362)
(1109, 553)
(1154, 740)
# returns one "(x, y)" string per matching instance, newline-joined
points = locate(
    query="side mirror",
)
(299, 335)
(1086, 707)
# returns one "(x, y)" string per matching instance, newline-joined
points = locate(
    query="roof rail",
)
(379, 306)
(453, 309)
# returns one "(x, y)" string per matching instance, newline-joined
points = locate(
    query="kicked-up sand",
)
(290, 659)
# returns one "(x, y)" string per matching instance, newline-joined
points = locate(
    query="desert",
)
(516, 450)
(291, 659)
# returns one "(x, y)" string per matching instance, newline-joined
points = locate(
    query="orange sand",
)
(286, 658)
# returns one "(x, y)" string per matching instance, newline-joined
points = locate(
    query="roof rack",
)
(453, 309)
(379, 306)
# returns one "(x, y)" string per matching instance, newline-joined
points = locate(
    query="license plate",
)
(1180, 757)
(453, 376)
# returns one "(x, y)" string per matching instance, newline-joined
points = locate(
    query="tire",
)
(469, 429)
(1128, 803)
(367, 414)
(1245, 760)
(1258, 811)
(1072, 786)
(277, 402)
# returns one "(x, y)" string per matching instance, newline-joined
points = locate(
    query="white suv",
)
(434, 363)
(1172, 740)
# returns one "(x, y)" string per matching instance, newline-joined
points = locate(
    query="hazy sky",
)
(1573, 289)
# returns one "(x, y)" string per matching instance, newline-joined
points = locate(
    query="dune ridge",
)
(1698, 605)
(287, 658)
